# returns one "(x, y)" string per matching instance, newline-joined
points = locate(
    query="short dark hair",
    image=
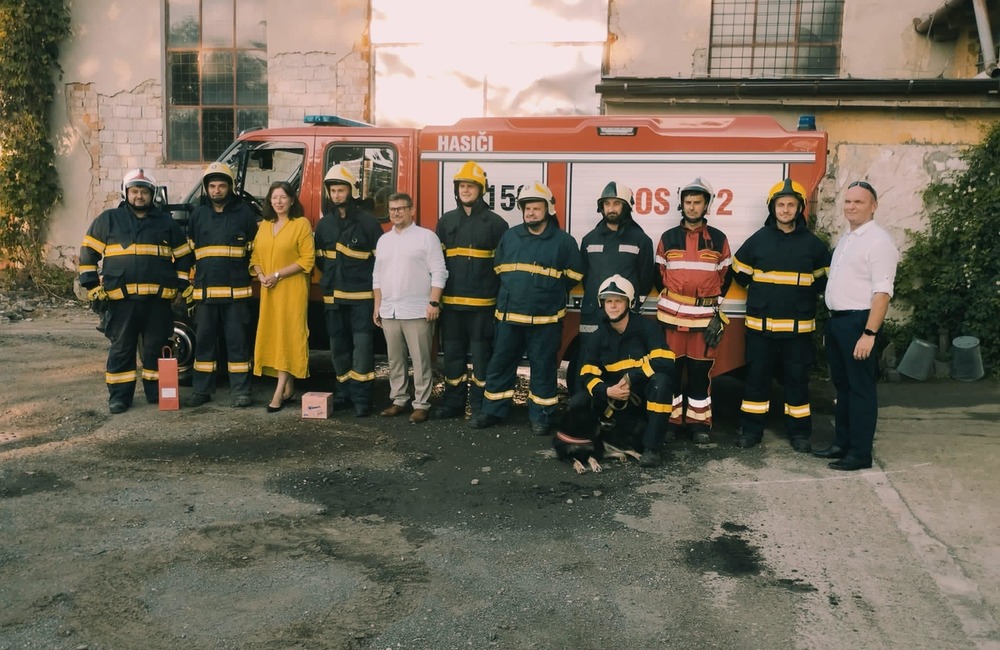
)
(294, 211)
(401, 196)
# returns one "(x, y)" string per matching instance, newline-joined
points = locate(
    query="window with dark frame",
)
(216, 75)
(776, 38)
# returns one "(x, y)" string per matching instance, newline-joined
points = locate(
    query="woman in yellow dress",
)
(282, 259)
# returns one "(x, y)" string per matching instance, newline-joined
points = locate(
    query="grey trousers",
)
(409, 338)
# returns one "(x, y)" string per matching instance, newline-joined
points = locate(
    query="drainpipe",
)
(989, 50)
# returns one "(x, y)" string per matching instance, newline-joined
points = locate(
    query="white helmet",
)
(618, 286)
(138, 178)
(342, 175)
(615, 190)
(701, 186)
(536, 191)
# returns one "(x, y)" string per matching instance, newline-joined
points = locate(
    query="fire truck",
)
(576, 156)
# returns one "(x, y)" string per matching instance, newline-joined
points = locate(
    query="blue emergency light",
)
(333, 120)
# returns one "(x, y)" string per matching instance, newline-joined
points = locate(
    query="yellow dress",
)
(282, 329)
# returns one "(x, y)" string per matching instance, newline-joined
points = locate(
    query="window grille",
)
(776, 38)
(216, 75)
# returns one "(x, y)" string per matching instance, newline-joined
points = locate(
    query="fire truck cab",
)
(576, 156)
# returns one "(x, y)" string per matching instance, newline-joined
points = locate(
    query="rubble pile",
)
(19, 304)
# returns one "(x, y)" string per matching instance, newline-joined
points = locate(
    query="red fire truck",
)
(576, 156)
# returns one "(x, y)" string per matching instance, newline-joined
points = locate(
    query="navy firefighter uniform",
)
(222, 234)
(784, 266)
(538, 264)
(137, 258)
(469, 235)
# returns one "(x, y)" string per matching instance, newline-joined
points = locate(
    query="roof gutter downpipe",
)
(986, 39)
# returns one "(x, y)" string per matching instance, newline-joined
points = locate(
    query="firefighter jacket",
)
(784, 273)
(469, 242)
(222, 243)
(627, 251)
(139, 258)
(693, 274)
(345, 255)
(638, 352)
(536, 274)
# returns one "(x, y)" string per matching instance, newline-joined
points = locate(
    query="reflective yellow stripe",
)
(625, 364)
(656, 407)
(469, 302)
(458, 381)
(150, 375)
(780, 325)
(478, 253)
(182, 250)
(507, 394)
(222, 292)
(120, 377)
(238, 366)
(543, 401)
(661, 353)
(590, 369)
(818, 273)
(797, 411)
(592, 384)
(95, 244)
(350, 252)
(783, 277)
(357, 376)
(573, 275)
(349, 295)
(529, 268)
(87, 268)
(693, 323)
(114, 250)
(481, 383)
(344, 377)
(759, 408)
(219, 251)
(524, 319)
(740, 267)
(330, 255)
(204, 366)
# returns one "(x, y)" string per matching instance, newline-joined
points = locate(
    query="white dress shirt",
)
(407, 264)
(864, 263)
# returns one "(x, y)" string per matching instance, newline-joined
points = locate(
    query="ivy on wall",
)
(30, 33)
(949, 278)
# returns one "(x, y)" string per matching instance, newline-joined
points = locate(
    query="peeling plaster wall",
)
(108, 113)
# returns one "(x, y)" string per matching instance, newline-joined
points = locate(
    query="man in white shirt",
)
(408, 279)
(858, 291)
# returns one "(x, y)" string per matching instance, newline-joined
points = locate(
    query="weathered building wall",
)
(899, 144)
(108, 114)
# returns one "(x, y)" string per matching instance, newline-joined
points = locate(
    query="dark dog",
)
(582, 437)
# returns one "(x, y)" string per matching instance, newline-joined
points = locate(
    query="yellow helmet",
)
(536, 191)
(218, 171)
(471, 172)
(787, 187)
(339, 174)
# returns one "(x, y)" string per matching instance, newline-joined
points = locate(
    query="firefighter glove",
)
(97, 293)
(716, 326)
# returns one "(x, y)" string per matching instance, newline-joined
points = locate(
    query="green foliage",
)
(950, 276)
(30, 33)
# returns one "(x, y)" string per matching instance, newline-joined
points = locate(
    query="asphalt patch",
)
(728, 555)
(19, 484)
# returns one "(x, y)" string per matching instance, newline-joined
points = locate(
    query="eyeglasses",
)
(865, 186)
(402, 208)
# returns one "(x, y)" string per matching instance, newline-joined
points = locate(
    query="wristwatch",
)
(434, 303)
(868, 332)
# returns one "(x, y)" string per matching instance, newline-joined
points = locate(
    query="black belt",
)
(847, 312)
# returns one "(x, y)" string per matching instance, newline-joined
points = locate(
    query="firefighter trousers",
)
(792, 357)
(351, 333)
(153, 320)
(691, 406)
(644, 418)
(541, 343)
(231, 321)
(466, 336)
